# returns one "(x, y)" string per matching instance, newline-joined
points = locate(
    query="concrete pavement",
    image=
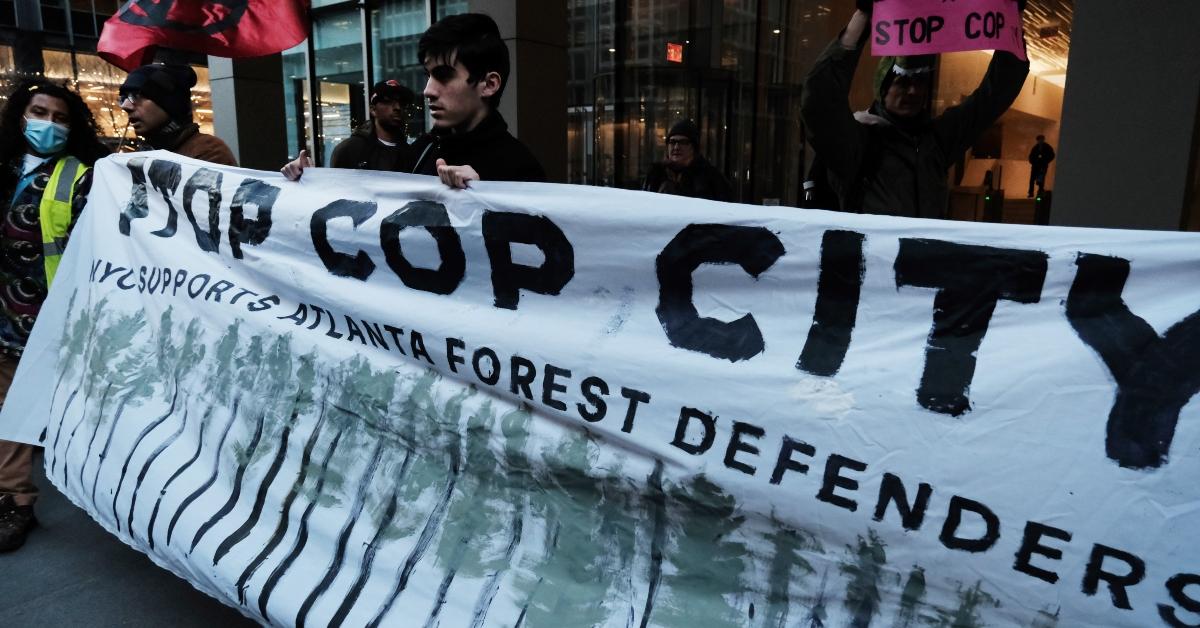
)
(72, 572)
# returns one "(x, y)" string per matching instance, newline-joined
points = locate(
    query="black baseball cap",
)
(391, 89)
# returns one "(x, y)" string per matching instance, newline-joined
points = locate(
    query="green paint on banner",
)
(567, 537)
(865, 569)
(967, 614)
(1046, 619)
(707, 581)
(911, 598)
(567, 582)
(787, 565)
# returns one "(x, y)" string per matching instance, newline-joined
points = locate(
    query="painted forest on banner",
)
(368, 399)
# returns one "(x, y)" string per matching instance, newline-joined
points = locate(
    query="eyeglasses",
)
(679, 142)
(132, 96)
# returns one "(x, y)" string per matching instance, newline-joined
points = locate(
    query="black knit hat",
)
(169, 86)
(688, 129)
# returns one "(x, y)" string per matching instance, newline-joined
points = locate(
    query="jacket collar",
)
(487, 130)
(698, 163)
(879, 115)
(173, 135)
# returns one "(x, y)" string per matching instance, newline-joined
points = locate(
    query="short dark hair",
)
(474, 40)
(1041, 137)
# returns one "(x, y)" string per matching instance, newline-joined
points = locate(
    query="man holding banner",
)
(468, 67)
(158, 100)
(893, 158)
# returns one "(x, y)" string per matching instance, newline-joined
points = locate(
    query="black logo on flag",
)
(208, 18)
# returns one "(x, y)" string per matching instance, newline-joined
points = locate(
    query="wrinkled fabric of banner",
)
(367, 399)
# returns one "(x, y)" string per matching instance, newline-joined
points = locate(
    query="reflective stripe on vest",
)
(55, 211)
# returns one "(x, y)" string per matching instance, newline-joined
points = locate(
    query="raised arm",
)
(825, 104)
(961, 125)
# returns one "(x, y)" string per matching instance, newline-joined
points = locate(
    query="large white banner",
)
(366, 399)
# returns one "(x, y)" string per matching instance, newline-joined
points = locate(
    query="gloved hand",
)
(866, 5)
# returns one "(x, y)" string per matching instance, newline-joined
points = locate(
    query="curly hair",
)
(82, 142)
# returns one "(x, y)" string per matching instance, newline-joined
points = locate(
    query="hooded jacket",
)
(880, 165)
(363, 151)
(488, 148)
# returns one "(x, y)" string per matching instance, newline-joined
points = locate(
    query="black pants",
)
(1037, 175)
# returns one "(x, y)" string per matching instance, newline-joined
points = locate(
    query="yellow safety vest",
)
(55, 211)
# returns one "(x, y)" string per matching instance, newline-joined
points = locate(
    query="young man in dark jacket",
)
(894, 158)
(468, 67)
(686, 172)
(380, 143)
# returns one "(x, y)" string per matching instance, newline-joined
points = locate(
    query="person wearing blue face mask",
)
(47, 147)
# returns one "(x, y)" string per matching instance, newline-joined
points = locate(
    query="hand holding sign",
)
(916, 27)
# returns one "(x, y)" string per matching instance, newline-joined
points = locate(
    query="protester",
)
(894, 158)
(686, 172)
(380, 143)
(1039, 161)
(47, 147)
(468, 67)
(158, 99)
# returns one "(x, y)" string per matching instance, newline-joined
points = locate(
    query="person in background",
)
(381, 143)
(158, 99)
(468, 67)
(1039, 161)
(686, 172)
(894, 158)
(48, 144)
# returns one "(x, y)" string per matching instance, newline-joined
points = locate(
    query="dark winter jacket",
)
(363, 151)
(878, 165)
(699, 179)
(488, 148)
(1041, 156)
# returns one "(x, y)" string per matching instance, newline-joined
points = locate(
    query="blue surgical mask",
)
(45, 137)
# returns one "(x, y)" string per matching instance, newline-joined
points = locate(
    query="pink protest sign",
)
(913, 27)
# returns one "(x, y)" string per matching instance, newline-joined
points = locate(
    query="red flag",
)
(222, 28)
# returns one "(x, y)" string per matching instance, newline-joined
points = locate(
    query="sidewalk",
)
(73, 573)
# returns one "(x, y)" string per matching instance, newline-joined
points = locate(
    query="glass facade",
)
(635, 67)
(737, 68)
(342, 67)
(339, 75)
(396, 28)
(62, 50)
(734, 66)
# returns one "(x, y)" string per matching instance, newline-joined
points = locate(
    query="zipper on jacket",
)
(421, 159)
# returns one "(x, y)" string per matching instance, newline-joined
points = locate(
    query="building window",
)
(342, 81)
(741, 78)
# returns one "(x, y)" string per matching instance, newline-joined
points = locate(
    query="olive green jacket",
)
(877, 166)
